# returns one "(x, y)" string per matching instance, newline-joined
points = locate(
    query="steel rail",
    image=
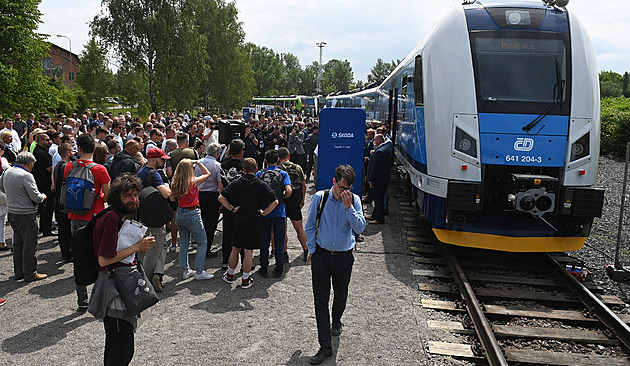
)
(602, 312)
(491, 347)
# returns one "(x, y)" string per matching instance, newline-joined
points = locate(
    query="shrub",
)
(615, 125)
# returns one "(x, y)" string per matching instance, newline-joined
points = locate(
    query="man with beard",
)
(155, 258)
(120, 258)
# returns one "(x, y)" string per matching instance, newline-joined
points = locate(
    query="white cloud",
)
(359, 31)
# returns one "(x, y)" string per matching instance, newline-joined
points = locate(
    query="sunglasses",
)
(342, 188)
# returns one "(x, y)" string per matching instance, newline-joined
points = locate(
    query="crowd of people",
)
(256, 180)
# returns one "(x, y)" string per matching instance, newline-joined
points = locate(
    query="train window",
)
(521, 69)
(417, 82)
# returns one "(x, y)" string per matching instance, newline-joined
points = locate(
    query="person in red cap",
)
(154, 259)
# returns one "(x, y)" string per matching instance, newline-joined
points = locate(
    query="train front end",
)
(534, 137)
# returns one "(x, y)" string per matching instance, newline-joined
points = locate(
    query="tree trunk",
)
(152, 84)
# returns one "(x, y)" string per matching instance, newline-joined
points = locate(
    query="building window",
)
(47, 64)
(59, 70)
(71, 76)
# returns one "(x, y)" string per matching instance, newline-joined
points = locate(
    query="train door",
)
(394, 125)
(390, 108)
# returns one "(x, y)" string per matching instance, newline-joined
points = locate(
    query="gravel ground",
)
(599, 250)
(211, 322)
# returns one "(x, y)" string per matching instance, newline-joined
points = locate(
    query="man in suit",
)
(379, 169)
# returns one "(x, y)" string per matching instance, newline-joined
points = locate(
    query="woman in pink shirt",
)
(185, 191)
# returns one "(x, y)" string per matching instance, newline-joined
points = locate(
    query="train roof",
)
(532, 4)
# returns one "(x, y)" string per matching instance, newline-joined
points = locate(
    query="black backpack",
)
(154, 209)
(320, 209)
(296, 182)
(84, 258)
(275, 181)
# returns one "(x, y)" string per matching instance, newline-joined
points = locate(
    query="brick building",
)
(58, 61)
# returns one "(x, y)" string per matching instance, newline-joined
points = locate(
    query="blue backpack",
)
(77, 191)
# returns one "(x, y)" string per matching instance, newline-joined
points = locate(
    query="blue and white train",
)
(495, 116)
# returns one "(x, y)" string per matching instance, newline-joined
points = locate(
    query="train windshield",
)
(520, 69)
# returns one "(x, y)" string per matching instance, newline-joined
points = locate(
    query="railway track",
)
(487, 288)
(512, 308)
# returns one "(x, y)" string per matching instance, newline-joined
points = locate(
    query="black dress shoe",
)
(336, 329)
(263, 272)
(321, 355)
(210, 254)
(49, 233)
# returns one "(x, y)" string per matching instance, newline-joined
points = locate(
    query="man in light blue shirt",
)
(330, 240)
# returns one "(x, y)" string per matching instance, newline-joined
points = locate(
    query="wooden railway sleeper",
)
(595, 305)
(492, 350)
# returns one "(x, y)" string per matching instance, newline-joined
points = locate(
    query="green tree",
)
(65, 99)
(230, 79)
(156, 36)
(292, 74)
(338, 76)
(132, 87)
(626, 84)
(94, 76)
(381, 70)
(308, 81)
(22, 85)
(610, 84)
(268, 69)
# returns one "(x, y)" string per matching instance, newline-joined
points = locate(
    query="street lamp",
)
(62, 36)
(321, 46)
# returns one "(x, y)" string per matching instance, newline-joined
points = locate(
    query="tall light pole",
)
(69, 80)
(320, 69)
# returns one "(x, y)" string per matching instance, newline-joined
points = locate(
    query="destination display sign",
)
(520, 45)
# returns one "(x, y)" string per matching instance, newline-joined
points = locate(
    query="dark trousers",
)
(309, 164)
(228, 231)
(119, 342)
(209, 205)
(64, 234)
(279, 230)
(45, 211)
(324, 267)
(378, 193)
(24, 245)
(82, 295)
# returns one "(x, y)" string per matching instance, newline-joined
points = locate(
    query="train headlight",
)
(543, 203)
(517, 17)
(577, 149)
(527, 203)
(465, 144)
(581, 148)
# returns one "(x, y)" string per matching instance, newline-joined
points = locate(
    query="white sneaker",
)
(172, 248)
(203, 276)
(188, 273)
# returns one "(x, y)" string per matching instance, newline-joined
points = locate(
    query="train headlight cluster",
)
(581, 148)
(535, 201)
(465, 144)
(517, 17)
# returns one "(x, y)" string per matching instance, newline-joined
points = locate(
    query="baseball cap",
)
(156, 153)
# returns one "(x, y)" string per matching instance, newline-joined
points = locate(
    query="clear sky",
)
(360, 31)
